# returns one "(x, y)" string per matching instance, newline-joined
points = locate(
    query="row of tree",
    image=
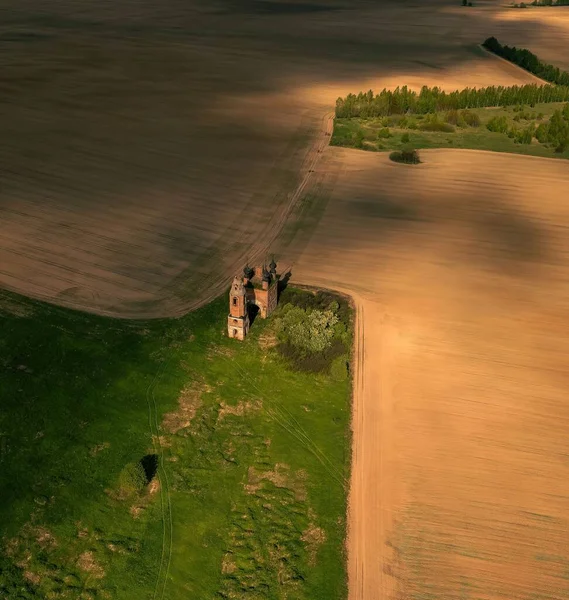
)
(543, 3)
(428, 100)
(528, 61)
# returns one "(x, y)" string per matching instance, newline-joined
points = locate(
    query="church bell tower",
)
(238, 319)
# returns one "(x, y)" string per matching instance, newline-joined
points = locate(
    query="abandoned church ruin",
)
(254, 293)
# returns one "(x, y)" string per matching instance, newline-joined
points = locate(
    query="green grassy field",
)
(364, 133)
(249, 498)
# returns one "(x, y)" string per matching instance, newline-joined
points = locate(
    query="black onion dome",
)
(273, 266)
(266, 274)
(248, 272)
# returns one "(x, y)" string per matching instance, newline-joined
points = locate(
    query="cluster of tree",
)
(429, 100)
(528, 61)
(407, 156)
(313, 332)
(520, 136)
(556, 130)
(543, 3)
(466, 3)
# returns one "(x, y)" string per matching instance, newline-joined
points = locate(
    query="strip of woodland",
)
(529, 61)
(402, 100)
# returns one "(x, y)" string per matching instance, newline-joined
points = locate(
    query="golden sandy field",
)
(150, 148)
(459, 268)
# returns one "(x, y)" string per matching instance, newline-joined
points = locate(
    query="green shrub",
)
(132, 479)
(339, 369)
(498, 124)
(433, 123)
(383, 133)
(470, 118)
(405, 138)
(310, 330)
(452, 116)
(407, 156)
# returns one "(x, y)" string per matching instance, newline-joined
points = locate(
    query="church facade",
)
(257, 290)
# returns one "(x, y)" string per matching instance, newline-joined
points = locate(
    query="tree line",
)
(405, 101)
(528, 61)
(542, 3)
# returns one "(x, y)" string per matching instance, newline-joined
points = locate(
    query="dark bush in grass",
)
(311, 362)
(132, 479)
(407, 156)
(498, 124)
(433, 123)
(470, 118)
(383, 133)
(405, 138)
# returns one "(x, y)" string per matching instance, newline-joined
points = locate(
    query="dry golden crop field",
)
(150, 147)
(459, 267)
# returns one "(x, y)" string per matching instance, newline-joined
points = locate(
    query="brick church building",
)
(257, 290)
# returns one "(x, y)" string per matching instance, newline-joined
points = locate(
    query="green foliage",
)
(530, 62)
(434, 123)
(429, 100)
(556, 130)
(383, 133)
(405, 138)
(470, 118)
(309, 330)
(132, 479)
(94, 394)
(407, 156)
(498, 124)
(339, 369)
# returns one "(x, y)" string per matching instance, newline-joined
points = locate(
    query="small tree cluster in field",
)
(556, 130)
(309, 330)
(313, 331)
(407, 156)
(404, 101)
(383, 133)
(466, 3)
(530, 62)
(132, 479)
(469, 118)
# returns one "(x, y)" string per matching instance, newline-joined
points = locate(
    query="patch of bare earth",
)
(313, 537)
(88, 563)
(33, 578)
(281, 476)
(189, 402)
(239, 409)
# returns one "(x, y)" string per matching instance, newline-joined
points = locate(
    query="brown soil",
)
(113, 204)
(89, 564)
(188, 403)
(458, 268)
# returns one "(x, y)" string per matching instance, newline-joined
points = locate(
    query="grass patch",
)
(434, 131)
(161, 456)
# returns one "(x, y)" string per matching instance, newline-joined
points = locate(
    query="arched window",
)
(234, 301)
(235, 333)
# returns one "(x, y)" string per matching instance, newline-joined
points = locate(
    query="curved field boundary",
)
(513, 66)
